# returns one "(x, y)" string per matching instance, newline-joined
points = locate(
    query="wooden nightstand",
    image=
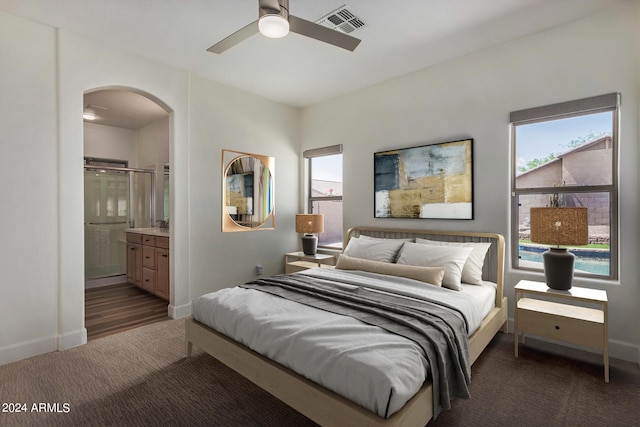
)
(298, 261)
(565, 320)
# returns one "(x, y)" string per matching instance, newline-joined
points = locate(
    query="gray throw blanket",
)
(440, 331)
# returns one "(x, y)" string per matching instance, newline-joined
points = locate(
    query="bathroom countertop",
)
(154, 231)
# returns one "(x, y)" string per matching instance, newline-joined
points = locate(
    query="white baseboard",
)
(72, 339)
(26, 349)
(180, 311)
(106, 281)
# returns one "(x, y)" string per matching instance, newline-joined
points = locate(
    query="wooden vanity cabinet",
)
(148, 263)
(162, 267)
(162, 273)
(134, 259)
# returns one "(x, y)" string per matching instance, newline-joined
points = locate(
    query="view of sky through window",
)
(328, 168)
(539, 140)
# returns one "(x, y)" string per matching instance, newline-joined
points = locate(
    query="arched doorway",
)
(126, 152)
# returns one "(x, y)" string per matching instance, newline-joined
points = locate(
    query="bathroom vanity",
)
(148, 260)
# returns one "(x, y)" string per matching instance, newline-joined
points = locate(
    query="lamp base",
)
(309, 244)
(558, 268)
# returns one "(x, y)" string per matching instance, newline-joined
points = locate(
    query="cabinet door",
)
(149, 280)
(162, 273)
(148, 257)
(134, 264)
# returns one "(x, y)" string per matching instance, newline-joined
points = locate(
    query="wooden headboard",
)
(494, 262)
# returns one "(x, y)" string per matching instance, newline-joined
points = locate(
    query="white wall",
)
(28, 199)
(109, 142)
(153, 153)
(42, 247)
(225, 118)
(471, 97)
(45, 73)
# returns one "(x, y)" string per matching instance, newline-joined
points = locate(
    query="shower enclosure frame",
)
(131, 214)
(152, 204)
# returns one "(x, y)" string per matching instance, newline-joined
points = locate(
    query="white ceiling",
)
(399, 37)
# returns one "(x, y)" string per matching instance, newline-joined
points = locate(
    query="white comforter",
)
(376, 369)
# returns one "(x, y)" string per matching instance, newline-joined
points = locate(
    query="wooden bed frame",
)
(326, 407)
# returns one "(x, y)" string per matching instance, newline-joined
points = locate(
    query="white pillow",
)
(450, 257)
(430, 275)
(384, 250)
(363, 236)
(472, 270)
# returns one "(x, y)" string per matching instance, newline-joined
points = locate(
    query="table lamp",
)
(308, 224)
(559, 226)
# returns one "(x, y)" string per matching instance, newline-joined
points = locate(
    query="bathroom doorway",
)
(126, 150)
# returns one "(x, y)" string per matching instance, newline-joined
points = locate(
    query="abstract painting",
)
(430, 181)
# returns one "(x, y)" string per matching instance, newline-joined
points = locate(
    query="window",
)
(566, 155)
(325, 192)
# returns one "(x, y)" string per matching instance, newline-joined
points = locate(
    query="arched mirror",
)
(247, 192)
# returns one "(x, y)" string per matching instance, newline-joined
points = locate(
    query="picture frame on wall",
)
(430, 181)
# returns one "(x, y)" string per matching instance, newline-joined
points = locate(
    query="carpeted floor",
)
(141, 378)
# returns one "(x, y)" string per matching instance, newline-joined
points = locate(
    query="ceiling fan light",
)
(273, 26)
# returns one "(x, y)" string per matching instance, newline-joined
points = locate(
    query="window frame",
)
(582, 107)
(309, 155)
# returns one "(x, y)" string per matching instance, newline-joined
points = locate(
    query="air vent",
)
(342, 20)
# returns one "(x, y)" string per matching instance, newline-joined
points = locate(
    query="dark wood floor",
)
(116, 308)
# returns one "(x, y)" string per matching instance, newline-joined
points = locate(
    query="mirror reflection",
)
(247, 192)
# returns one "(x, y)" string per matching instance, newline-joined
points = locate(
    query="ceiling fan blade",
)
(324, 34)
(235, 38)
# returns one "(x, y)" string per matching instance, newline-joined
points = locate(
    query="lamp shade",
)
(560, 226)
(309, 223)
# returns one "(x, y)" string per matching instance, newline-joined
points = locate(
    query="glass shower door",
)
(142, 198)
(106, 215)
(115, 199)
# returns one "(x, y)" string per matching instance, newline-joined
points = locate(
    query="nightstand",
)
(298, 261)
(565, 320)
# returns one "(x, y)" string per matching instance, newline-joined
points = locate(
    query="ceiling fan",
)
(275, 22)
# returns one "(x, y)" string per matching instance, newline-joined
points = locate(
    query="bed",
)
(327, 407)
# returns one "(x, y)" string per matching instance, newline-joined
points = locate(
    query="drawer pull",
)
(557, 327)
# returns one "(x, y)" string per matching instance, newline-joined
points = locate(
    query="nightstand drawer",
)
(587, 330)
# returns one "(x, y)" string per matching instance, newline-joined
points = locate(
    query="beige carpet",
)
(140, 378)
